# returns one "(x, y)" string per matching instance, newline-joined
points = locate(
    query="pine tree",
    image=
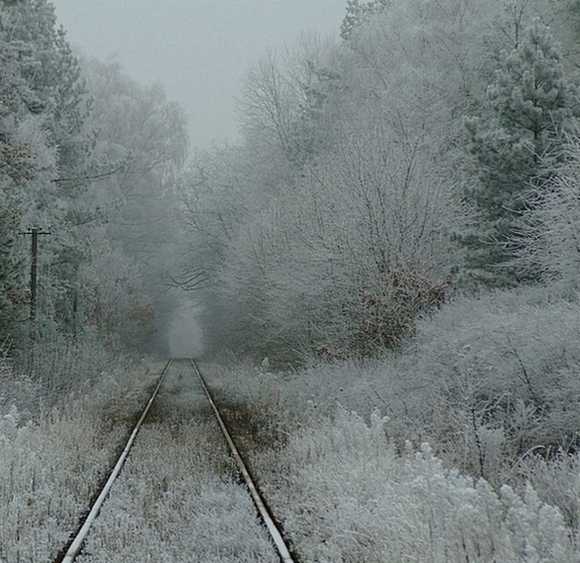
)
(61, 97)
(519, 129)
(357, 13)
(17, 169)
(12, 295)
(43, 109)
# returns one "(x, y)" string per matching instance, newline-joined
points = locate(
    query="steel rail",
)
(78, 540)
(273, 530)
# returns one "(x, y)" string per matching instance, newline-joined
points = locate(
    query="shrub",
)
(347, 495)
(490, 382)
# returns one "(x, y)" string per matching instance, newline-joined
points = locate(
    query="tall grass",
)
(58, 433)
(347, 494)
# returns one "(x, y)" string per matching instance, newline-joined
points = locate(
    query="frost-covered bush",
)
(347, 495)
(557, 482)
(344, 260)
(488, 379)
(508, 364)
(18, 389)
(61, 365)
(491, 382)
(49, 470)
(549, 241)
(57, 442)
(350, 488)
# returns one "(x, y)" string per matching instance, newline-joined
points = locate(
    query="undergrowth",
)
(489, 383)
(59, 427)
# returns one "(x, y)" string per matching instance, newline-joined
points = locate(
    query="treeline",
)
(90, 157)
(432, 150)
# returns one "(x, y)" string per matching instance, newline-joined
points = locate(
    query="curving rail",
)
(75, 544)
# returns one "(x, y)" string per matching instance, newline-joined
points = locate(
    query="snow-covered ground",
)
(177, 498)
(50, 464)
(438, 452)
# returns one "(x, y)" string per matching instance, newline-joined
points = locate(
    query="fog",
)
(394, 228)
(185, 333)
(199, 50)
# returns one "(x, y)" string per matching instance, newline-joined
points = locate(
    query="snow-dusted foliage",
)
(489, 382)
(498, 374)
(332, 224)
(55, 449)
(550, 237)
(350, 488)
(528, 107)
(81, 146)
(348, 496)
(344, 261)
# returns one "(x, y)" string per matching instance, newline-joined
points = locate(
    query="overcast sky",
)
(199, 50)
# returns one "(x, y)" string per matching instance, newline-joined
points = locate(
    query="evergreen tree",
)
(55, 78)
(12, 296)
(45, 154)
(519, 128)
(357, 13)
(19, 161)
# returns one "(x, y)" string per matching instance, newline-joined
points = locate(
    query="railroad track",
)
(75, 546)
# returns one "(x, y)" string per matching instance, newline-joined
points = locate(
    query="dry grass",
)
(53, 458)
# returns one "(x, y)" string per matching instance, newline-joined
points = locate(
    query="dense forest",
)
(398, 225)
(88, 161)
(430, 151)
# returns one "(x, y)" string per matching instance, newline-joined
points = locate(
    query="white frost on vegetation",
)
(490, 383)
(176, 500)
(51, 458)
(347, 495)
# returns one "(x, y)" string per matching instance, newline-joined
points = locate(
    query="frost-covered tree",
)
(550, 238)
(50, 166)
(344, 159)
(55, 78)
(13, 298)
(223, 190)
(284, 104)
(46, 148)
(528, 107)
(27, 161)
(140, 137)
(357, 13)
(312, 129)
(268, 106)
(345, 260)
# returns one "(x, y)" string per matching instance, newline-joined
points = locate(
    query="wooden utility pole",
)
(34, 232)
(33, 273)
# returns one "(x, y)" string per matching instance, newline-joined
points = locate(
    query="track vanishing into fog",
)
(76, 548)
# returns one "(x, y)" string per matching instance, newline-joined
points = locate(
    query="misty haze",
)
(346, 232)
